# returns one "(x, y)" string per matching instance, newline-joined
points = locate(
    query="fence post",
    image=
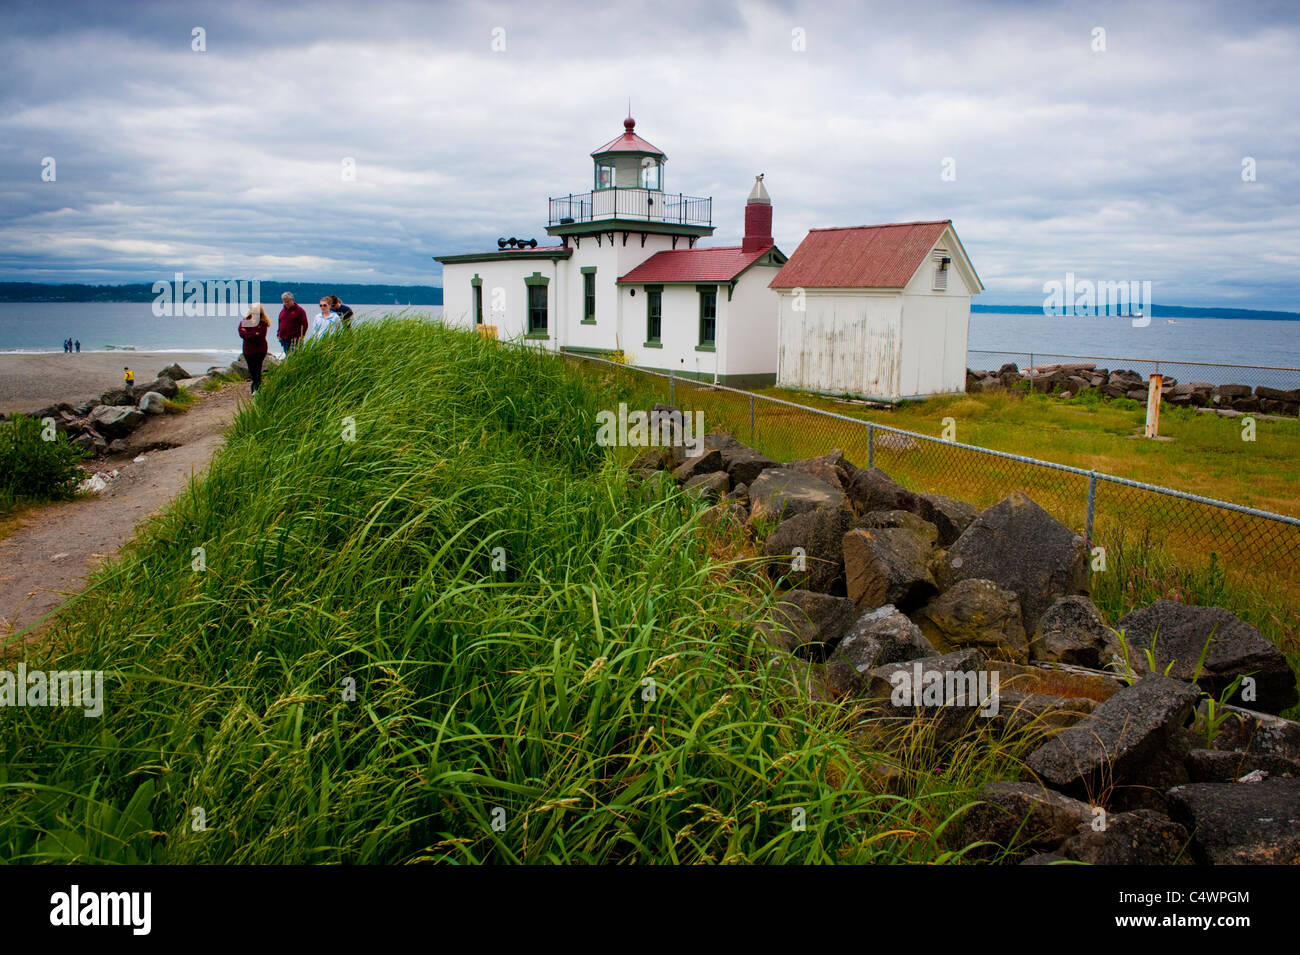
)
(751, 419)
(671, 382)
(871, 445)
(1031, 360)
(1092, 505)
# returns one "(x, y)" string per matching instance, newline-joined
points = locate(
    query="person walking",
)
(128, 377)
(344, 311)
(256, 323)
(78, 346)
(293, 323)
(325, 321)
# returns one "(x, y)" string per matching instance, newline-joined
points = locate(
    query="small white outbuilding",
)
(879, 312)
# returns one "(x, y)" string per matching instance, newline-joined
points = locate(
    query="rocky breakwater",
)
(927, 614)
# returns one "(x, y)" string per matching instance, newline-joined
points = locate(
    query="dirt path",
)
(54, 549)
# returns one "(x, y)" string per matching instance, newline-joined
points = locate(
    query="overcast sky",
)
(1122, 163)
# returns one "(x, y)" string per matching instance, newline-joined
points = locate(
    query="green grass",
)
(518, 697)
(182, 402)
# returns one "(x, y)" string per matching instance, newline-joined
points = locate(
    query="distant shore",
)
(31, 381)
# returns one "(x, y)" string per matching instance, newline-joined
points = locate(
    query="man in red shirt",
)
(293, 323)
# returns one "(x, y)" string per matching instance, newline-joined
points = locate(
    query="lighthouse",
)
(624, 272)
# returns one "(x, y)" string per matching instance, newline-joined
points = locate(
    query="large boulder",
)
(1023, 549)
(809, 550)
(741, 463)
(878, 637)
(887, 566)
(949, 691)
(707, 462)
(153, 403)
(118, 397)
(1017, 817)
(871, 489)
(881, 519)
(833, 468)
(1141, 837)
(1181, 632)
(804, 618)
(1134, 735)
(116, 421)
(163, 385)
(976, 613)
(781, 493)
(950, 517)
(175, 372)
(1072, 631)
(1247, 731)
(710, 487)
(1241, 823)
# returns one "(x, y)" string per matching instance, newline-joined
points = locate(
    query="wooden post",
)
(1153, 405)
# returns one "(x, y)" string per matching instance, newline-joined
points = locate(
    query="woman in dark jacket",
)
(253, 331)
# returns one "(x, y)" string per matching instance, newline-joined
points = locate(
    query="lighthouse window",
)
(604, 176)
(654, 313)
(708, 313)
(650, 175)
(537, 309)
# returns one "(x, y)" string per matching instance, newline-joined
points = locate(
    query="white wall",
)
(936, 325)
(845, 340)
(748, 340)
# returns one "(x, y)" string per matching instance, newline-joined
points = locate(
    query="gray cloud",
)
(1123, 164)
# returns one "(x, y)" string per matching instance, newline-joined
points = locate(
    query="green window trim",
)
(538, 314)
(588, 295)
(537, 337)
(654, 315)
(708, 328)
(652, 344)
(537, 278)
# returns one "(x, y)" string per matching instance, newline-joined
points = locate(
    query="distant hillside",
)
(1160, 311)
(270, 292)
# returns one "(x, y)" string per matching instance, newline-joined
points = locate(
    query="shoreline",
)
(29, 381)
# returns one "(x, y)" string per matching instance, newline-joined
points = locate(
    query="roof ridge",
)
(882, 225)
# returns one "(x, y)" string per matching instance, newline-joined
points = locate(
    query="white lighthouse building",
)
(627, 274)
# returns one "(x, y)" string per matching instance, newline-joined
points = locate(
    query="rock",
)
(1072, 631)
(1023, 549)
(163, 385)
(976, 613)
(1060, 679)
(881, 519)
(240, 367)
(656, 459)
(175, 372)
(709, 487)
(781, 493)
(117, 397)
(1241, 823)
(153, 403)
(1232, 391)
(115, 421)
(1274, 394)
(1246, 731)
(948, 691)
(833, 468)
(92, 485)
(1217, 766)
(725, 514)
(708, 462)
(873, 490)
(887, 566)
(949, 516)
(876, 638)
(802, 618)
(117, 446)
(742, 463)
(90, 441)
(1044, 712)
(1120, 742)
(820, 536)
(1235, 648)
(1271, 406)
(1141, 837)
(1019, 817)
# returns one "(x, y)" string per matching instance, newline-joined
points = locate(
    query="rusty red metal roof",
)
(866, 256)
(721, 264)
(629, 142)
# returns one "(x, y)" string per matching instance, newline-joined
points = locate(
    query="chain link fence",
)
(1169, 528)
(1278, 377)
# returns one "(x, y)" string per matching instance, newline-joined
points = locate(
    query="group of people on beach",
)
(68, 344)
(292, 329)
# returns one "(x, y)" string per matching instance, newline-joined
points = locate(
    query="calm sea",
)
(41, 327)
(132, 326)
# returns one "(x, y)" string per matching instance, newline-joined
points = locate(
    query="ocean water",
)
(42, 326)
(132, 326)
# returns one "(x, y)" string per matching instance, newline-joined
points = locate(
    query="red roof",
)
(721, 264)
(629, 142)
(865, 256)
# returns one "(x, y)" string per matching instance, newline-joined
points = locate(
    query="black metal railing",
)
(648, 205)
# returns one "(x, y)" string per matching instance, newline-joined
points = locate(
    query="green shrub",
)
(32, 468)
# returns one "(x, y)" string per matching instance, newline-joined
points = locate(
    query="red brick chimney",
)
(758, 219)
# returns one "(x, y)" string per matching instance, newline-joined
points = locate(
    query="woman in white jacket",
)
(325, 322)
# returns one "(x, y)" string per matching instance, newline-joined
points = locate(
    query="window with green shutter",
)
(654, 314)
(708, 314)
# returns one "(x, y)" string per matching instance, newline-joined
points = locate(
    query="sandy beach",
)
(28, 382)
